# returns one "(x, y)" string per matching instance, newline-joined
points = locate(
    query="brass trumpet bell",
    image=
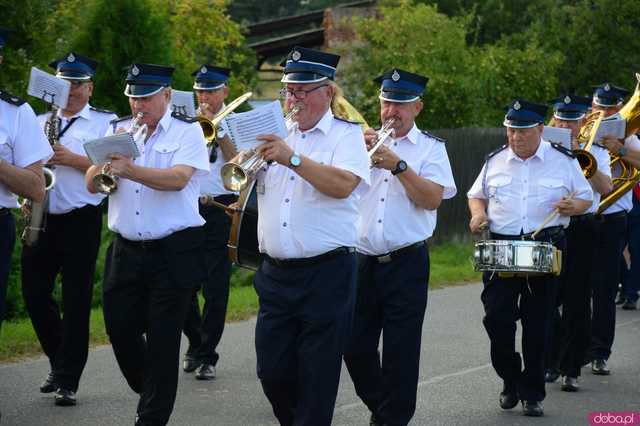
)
(241, 170)
(104, 182)
(210, 127)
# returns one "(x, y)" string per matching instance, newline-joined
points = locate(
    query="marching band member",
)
(155, 258)
(307, 231)
(613, 238)
(520, 184)
(204, 332)
(23, 149)
(69, 246)
(573, 331)
(398, 214)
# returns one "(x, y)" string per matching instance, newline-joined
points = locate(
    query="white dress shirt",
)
(22, 142)
(70, 191)
(624, 203)
(211, 184)
(298, 221)
(389, 219)
(139, 212)
(601, 154)
(522, 193)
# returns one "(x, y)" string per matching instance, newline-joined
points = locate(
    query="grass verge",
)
(450, 265)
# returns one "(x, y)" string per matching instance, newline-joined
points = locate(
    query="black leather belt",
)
(552, 233)
(141, 244)
(582, 218)
(388, 257)
(309, 261)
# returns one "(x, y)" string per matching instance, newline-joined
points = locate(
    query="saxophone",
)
(35, 217)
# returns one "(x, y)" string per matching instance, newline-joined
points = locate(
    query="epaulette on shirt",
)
(105, 111)
(10, 99)
(183, 117)
(563, 150)
(347, 121)
(424, 132)
(494, 152)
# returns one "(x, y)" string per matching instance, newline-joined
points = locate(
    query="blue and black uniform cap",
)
(74, 67)
(523, 114)
(570, 107)
(304, 65)
(209, 77)
(608, 95)
(147, 79)
(397, 85)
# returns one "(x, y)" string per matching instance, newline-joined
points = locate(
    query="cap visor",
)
(514, 124)
(70, 75)
(302, 77)
(141, 90)
(398, 97)
(204, 85)
(569, 115)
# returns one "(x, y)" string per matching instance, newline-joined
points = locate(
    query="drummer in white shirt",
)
(519, 186)
(411, 176)
(69, 246)
(307, 231)
(155, 259)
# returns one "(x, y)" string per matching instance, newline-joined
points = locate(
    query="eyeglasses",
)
(298, 94)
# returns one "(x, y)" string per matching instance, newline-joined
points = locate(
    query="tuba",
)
(629, 175)
(35, 219)
(210, 127)
(105, 182)
(587, 136)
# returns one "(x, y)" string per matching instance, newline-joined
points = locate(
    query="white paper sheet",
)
(182, 102)
(264, 120)
(99, 150)
(557, 135)
(614, 126)
(48, 87)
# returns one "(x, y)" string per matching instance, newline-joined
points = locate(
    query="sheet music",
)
(48, 87)
(99, 150)
(614, 126)
(264, 120)
(182, 102)
(557, 135)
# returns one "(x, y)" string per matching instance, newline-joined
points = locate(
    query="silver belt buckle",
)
(384, 259)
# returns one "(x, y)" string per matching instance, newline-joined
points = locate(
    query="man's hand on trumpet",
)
(384, 158)
(274, 149)
(120, 166)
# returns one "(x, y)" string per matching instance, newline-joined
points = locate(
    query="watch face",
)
(402, 165)
(294, 160)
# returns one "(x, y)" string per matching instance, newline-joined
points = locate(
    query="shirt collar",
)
(540, 152)
(83, 113)
(165, 121)
(412, 136)
(324, 125)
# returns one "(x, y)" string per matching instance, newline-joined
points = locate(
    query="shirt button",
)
(382, 199)
(291, 178)
(139, 234)
(304, 136)
(137, 191)
(137, 213)
(395, 144)
(386, 180)
(379, 220)
(286, 200)
(284, 224)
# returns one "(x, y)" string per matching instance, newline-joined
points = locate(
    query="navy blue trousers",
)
(532, 300)
(302, 329)
(392, 300)
(631, 277)
(7, 241)
(605, 285)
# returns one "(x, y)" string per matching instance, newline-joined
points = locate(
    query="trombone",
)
(242, 169)
(210, 127)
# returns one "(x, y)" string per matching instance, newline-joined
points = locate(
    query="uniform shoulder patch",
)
(183, 117)
(432, 136)
(105, 111)
(495, 151)
(119, 119)
(347, 121)
(10, 99)
(563, 150)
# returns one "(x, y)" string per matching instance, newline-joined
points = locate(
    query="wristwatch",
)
(295, 160)
(400, 167)
(622, 152)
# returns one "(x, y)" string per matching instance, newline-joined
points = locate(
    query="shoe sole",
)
(601, 373)
(47, 390)
(205, 378)
(569, 388)
(531, 414)
(189, 370)
(65, 403)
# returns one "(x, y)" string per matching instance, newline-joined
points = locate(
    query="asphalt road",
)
(457, 384)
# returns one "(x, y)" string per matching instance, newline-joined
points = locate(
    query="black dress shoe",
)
(373, 421)
(532, 408)
(569, 384)
(508, 397)
(190, 363)
(550, 376)
(206, 372)
(628, 305)
(65, 397)
(49, 384)
(599, 367)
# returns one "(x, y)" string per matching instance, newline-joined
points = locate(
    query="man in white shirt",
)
(411, 177)
(69, 245)
(609, 98)
(519, 186)
(23, 150)
(571, 332)
(155, 259)
(204, 332)
(307, 231)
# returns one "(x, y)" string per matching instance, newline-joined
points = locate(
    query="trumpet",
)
(242, 169)
(106, 182)
(383, 134)
(210, 127)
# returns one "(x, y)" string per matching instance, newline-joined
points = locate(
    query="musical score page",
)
(244, 127)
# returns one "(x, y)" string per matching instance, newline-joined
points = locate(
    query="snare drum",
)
(517, 258)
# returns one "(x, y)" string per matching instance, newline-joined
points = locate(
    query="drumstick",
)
(549, 218)
(211, 202)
